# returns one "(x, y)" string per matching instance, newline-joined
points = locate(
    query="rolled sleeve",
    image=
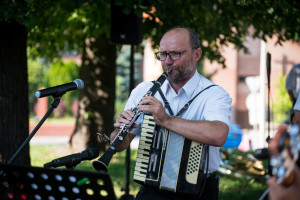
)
(219, 107)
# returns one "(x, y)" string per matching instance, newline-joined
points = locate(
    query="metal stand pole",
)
(53, 105)
(127, 196)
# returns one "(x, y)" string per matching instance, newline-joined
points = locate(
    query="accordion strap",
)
(185, 107)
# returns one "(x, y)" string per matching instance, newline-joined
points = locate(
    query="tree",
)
(282, 106)
(15, 17)
(13, 91)
(79, 25)
(96, 104)
(82, 26)
(222, 22)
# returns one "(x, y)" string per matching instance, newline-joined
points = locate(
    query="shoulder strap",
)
(166, 102)
(167, 105)
(186, 106)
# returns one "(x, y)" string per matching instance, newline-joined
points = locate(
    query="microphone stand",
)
(269, 115)
(53, 106)
(265, 195)
(127, 196)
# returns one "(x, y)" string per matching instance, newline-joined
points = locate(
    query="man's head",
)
(179, 50)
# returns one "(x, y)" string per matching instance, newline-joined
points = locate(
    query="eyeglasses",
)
(174, 55)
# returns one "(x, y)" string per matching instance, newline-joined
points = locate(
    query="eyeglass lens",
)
(163, 55)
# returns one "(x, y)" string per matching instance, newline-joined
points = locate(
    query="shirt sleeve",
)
(289, 83)
(219, 106)
(297, 104)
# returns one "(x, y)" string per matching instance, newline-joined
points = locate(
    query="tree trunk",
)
(14, 120)
(96, 103)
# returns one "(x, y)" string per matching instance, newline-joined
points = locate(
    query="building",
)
(245, 79)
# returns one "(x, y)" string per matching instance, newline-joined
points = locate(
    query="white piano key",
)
(137, 173)
(139, 178)
(145, 144)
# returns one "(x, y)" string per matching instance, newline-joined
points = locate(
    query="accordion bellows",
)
(168, 161)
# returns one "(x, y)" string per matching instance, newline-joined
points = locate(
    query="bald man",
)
(204, 120)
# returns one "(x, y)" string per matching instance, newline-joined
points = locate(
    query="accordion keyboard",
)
(144, 148)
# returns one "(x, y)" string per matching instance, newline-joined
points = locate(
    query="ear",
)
(198, 54)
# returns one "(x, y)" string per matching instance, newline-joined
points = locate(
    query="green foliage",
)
(64, 27)
(273, 18)
(216, 22)
(55, 27)
(282, 103)
(36, 79)
(120, 95)
(40, 75)
(61, 72)
(224, 22)
(23, 11)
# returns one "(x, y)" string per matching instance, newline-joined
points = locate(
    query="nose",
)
(168, 60)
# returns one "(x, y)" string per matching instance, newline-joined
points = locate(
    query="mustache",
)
(177, 68)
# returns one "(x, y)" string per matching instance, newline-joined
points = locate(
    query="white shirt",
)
(212, 104)
(293, 80)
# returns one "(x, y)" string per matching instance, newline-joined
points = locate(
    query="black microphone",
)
(74, 159)
(261, 154)
(77, 84)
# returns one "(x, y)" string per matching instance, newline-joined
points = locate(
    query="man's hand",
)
(152, 105)
(124, 117)
(279, 192)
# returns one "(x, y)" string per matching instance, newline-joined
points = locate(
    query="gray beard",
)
(181, 76)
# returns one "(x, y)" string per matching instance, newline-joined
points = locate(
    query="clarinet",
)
(102, 163)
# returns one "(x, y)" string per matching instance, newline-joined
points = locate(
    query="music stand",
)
(35, 183)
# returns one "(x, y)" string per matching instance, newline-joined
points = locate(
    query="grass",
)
(231, 187)
(52, 120)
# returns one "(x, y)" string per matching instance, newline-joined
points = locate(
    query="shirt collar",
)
(188, 88)
(191, 85)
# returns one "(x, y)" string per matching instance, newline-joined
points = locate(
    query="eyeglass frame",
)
(168, 54)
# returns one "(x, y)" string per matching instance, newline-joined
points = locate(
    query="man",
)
(292, 192)
(292, 84)
(205, 121)
(296, 118)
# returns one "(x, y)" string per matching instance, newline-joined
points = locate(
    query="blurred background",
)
(108, 44)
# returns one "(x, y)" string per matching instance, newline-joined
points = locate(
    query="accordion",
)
(168, 161)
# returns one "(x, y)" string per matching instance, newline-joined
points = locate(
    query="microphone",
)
(77, 84)
(74, 159)
(261, 154)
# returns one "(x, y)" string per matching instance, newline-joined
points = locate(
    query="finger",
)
(117, 125)
(122, 120)
(146, 108)
(127, 114)
(148, 100)
(144, 101)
